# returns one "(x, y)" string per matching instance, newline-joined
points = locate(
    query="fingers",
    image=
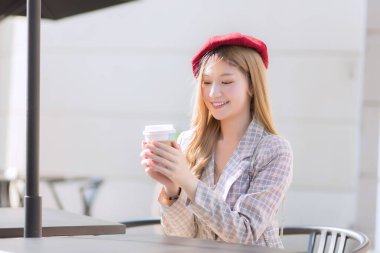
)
(148, 162)
(159, 159)
(159, 156)
(160, 169)
(143, 143)
(163, 146)
(160, 152)
(176, 145)
(145, 163)
(156, 163)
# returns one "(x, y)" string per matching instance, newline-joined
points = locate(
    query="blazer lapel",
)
(237, 163)
(208, 173)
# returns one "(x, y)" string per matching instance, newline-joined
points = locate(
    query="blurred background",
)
(106, 74)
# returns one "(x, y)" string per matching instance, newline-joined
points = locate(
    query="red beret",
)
(232, 39)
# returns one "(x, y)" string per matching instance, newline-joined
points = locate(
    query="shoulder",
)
(273, 147)
(184, 138)
(275, 143)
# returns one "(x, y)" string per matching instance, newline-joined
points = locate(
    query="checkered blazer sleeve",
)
(176, 219)
(255, 210)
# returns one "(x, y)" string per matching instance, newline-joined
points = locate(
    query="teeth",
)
(219, 104)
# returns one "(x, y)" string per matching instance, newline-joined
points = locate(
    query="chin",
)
(219, 117)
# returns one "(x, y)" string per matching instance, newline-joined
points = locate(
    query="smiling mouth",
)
(218, 105)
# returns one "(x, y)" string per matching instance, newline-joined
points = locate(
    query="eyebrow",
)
(224, 74)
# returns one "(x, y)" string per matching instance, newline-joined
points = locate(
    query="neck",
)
(233, 129)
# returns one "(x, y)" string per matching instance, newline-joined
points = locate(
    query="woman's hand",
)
(169, 161)
(170, 187)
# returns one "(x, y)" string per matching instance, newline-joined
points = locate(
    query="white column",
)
(377, 229)
(368, 199)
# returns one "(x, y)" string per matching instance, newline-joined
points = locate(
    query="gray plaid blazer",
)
(242, 206)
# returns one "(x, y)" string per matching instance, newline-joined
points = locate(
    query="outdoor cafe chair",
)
(330, 239)
(320, 239)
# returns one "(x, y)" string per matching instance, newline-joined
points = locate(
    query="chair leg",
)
(88, 193)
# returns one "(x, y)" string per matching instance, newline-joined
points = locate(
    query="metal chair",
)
(88, 192)
(331, 238)
(320, 238)
(5, 186)
(88, 189)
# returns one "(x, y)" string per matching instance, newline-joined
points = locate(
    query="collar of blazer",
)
(250, 139)
(245, 149)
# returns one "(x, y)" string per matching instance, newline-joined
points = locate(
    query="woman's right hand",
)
(170, 187)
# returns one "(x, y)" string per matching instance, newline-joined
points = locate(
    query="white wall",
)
(104, 75)
(368, 211)
(5, 44)
(14, 97)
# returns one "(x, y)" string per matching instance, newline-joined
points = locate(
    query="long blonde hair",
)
(206, 127)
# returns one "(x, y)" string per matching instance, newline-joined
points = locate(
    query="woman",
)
(226, 178)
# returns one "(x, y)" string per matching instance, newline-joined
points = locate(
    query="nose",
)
(215, 90)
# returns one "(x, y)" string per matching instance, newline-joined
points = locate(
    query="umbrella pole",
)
(33, 216)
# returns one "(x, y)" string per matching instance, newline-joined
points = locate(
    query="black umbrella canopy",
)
(35, 9)
(56, 9)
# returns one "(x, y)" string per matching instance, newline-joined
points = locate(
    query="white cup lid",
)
(154, 129)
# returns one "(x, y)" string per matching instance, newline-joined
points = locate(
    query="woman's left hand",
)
(171, 162)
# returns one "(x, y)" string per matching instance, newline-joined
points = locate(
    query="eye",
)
(227, 82)
(206, 82)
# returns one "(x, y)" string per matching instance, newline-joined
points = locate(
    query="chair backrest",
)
(330, 239)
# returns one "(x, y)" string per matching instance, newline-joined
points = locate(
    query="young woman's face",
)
(225, 90)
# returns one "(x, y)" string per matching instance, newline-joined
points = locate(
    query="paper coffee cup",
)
(161, 133)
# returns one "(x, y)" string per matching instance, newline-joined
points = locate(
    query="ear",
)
(250, 92)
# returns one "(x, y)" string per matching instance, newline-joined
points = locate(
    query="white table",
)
(123, 244)
(56, 223)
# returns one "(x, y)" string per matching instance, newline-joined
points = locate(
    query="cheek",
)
(233, 92)
(240, 96)
(246, 98)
